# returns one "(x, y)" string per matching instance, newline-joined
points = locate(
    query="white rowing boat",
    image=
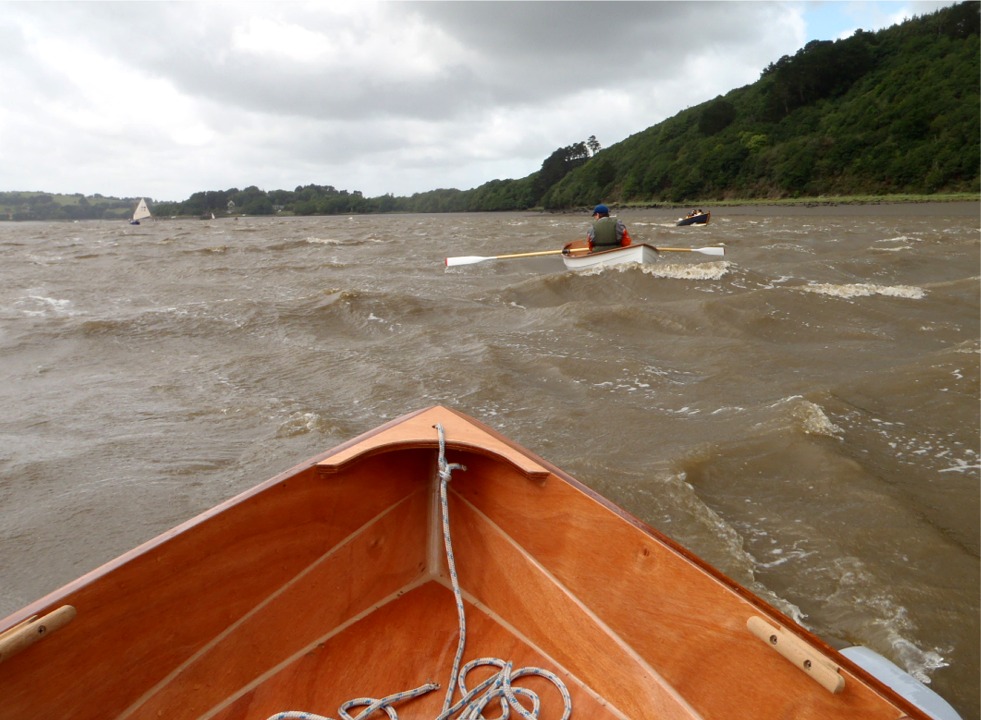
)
(576, 255)
(640, 253)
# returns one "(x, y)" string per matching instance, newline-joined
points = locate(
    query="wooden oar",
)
(703, 250)
(471, 259)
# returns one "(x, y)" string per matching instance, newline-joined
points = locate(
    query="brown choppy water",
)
(803, 413)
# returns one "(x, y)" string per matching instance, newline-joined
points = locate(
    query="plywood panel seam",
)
(282, 589)
(273, 671)
(615, 637)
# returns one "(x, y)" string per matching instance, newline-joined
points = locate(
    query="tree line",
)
(878, 113)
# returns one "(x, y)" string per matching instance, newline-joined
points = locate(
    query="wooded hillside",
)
(891, 112)
(897, 111)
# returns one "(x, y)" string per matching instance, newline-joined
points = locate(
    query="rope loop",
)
(498, 687)
(445, 469)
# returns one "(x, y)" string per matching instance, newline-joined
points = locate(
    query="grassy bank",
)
(817, 201)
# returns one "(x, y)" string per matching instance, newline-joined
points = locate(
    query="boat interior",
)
(330, 583)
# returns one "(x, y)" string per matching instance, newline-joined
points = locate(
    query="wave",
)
(37, 305)
(811, 419)
(304, 422)
(898, 244)
(794, 530)
(859, 290)
(689, 271)
(206, 250)
(283, 246)
(358, 315)
(879, 618)
(327, 241)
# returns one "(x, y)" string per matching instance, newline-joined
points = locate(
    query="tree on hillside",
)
(716, 117)
(560, 163)
(821, 69)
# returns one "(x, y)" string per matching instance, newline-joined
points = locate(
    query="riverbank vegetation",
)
(886, 116)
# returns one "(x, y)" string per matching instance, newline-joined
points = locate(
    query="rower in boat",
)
(606, 232)
(695, 217)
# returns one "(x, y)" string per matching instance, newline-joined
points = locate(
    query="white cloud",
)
(166, 99)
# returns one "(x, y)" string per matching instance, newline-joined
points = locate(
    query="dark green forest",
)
(894, 112)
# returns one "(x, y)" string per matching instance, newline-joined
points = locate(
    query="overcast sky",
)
(165, 99)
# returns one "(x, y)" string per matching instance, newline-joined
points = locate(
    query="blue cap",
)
(601, 209)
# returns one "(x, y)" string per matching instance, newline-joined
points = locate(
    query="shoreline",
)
(960, 204)
(948, 206)
(818, 201)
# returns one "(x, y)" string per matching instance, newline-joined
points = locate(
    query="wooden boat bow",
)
(417, 430)
(326, 583)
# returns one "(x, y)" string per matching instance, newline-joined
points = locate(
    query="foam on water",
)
(37, 305)
(860, 290)
(898, 244)
(716, 270)
(889, 623)
(668, 270)
(814, 421)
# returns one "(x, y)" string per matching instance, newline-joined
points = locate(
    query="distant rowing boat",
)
(368, 574)
(696, 218)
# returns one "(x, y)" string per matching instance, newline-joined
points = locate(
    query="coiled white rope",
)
(498, 687)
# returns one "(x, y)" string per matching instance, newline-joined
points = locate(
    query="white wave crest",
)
(698, 271)
(813, 420)
(919, 662)
(887, 625)
(895, 248)
(865, 290)
(301, 423)
(42, 306)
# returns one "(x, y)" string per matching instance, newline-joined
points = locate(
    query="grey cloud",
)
(490, 85)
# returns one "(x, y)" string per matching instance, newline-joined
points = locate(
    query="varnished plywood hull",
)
(329, 582)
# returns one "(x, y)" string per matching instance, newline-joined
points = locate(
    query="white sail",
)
(142, 211)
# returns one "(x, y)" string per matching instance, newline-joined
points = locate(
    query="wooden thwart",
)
(804, 656)
(22, 636)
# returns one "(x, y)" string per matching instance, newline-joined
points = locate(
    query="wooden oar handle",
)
(577, 247)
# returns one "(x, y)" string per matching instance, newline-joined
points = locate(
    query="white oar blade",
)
(465, 260)
(711, 250)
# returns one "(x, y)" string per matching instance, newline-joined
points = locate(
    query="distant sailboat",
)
(141, 212)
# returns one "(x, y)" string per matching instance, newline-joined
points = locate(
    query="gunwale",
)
(175, 627)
